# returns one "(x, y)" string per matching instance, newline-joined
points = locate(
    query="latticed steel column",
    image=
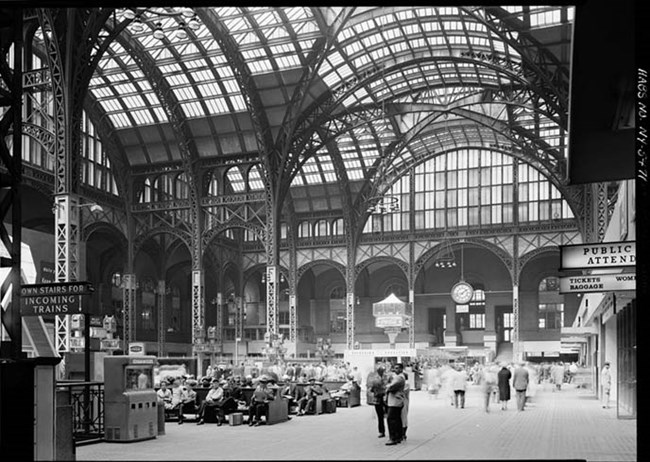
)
(239, 318)
(293, 321)
(129, 288)
(219, 330)
(412, 320)
(161, 298)
(349, 320)
(517, 353)
(11, 109)
(66, 211)
(198, 307)
(271, 300)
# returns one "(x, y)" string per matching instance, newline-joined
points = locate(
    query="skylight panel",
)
(178, 79)
(102, 92)
(110, 105)
(238, 102)
(217, 105)
(185, 93)
(160, 114)
(209, 90)
(142, 117)
(202, 76)
(193, 109)
(125, 88)
(119, 120)
(261, 66)
(134, 101)
(296, 13)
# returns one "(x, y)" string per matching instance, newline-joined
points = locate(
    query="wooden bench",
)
(352, 399)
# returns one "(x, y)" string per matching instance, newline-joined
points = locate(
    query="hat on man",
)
(263, 379)
(312, 379)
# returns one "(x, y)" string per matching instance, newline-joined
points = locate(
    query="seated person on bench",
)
(164, 395)
(308, 402)
(344, 390)
(259, 402)
(213, 399)
(177, 400)
(188, 397)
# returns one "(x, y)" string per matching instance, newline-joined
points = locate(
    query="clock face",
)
(462, 293)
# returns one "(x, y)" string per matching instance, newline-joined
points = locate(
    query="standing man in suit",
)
(520, 384)
(395, 402)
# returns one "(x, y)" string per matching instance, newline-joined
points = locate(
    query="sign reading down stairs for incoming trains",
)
(59, 298)
(597, 256)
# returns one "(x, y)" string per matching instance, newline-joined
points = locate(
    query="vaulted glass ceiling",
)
(389, 87)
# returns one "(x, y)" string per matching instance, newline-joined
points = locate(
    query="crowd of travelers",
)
(300, 383)
(388, 387)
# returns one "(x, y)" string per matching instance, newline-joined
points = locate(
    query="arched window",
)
(551, 304)
(182, 188)
(337, 227)
(213, 188)
(320, 228)
(304, 230)
(235, 179)
(255, 181)
(146, 192)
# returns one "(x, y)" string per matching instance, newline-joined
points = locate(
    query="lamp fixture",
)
(383, 204)
(445, 257)
(186, 19)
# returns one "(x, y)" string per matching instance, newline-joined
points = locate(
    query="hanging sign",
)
(598, 283)
(60, 298)
(595, 256)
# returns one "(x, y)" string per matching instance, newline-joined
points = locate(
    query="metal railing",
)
(87, 401)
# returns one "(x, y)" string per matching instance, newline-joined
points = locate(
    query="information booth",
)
(130, 402)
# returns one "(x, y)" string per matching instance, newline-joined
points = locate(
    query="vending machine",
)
(130, 412)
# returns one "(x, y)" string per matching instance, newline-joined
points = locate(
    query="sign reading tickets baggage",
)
(598, 283)
(59, 298)
(603, 255)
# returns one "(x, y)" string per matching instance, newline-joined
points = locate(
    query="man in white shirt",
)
(212, 399)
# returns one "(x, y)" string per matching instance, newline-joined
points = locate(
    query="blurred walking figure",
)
(459, 385)
(405, 407)
(520, 384)
(447, 372)
(487, 379)
(377, 386)
(557, 373)
(503, 378)
(606, 384)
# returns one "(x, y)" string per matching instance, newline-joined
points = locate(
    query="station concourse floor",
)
(570, 424)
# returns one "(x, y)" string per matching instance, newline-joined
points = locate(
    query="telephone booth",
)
(130, 412)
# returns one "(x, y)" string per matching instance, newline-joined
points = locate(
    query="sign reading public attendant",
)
(598, 283)
(59, 298)
(595, 256)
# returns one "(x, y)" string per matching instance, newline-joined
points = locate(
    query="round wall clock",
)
(462, 292)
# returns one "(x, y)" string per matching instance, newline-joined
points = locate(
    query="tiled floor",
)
(564, 425)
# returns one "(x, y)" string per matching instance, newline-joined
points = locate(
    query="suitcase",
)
(329, 406)
(236, 418)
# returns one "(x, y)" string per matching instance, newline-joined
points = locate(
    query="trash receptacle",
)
(65, 448)
(161, 418)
